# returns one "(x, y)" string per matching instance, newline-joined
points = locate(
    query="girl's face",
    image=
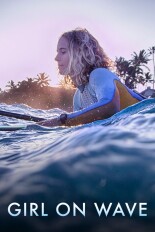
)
(62, 56)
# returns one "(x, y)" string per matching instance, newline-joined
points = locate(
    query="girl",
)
(99, 93)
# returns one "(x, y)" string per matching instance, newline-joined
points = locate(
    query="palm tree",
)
(122, 67)
(152, 51)
(132, 71)
(148, 77)
(29, 85)
(42, 79)
(11, 85)
(139, 61)
(141, 58)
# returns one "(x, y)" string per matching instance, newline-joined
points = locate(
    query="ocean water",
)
(107, 161)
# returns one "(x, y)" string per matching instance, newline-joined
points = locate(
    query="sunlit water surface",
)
(106, 161)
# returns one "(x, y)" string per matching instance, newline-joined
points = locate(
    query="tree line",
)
(136, 71)
(37, 92)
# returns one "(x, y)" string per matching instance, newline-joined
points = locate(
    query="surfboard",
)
(12, 127)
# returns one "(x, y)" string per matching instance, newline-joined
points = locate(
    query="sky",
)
(30, 29)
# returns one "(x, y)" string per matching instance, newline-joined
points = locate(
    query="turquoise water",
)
(106, 161)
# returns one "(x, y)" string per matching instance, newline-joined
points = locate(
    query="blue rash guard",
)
(100, 91)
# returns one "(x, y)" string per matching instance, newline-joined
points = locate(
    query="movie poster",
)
(94, 177)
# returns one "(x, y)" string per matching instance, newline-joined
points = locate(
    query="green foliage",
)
(134, 71)
(152, 53)
(37, 93)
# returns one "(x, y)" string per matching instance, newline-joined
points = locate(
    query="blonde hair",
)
(85, 55)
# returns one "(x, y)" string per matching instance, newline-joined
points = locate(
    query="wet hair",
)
(85, 55)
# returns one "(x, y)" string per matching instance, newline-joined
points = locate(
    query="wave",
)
(106, 161)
